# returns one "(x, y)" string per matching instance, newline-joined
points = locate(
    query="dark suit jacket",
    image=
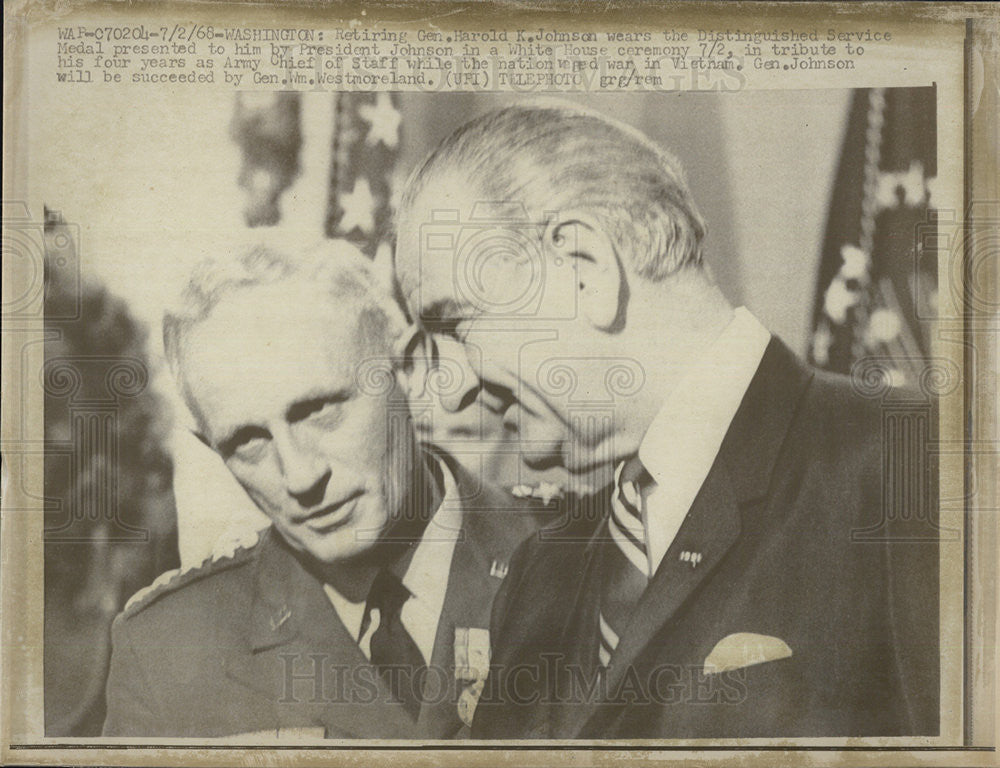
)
(251, 644)
(814, 530)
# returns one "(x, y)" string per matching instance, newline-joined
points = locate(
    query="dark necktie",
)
(393, 651)
(625, 571)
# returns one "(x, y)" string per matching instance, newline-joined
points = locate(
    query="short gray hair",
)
(553, 155)
(350, 278)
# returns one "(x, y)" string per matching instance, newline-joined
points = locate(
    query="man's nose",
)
(305, 471)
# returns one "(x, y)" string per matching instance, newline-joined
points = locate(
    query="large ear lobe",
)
(578, 236)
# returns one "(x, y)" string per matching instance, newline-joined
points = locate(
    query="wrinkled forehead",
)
(450, 236)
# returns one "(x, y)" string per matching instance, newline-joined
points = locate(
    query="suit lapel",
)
(741, 474)
(711, 527)
(579, 635)
(750, 449)
(293, 628)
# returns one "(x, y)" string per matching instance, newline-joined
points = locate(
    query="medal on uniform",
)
(472, 665)
(545, 492)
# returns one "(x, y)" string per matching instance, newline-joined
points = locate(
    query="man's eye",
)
(318, 409)
(328, 414)
(248, 446)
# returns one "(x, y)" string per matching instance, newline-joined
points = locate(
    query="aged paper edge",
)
(22, 576)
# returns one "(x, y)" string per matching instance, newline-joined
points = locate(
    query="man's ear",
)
(578, 236)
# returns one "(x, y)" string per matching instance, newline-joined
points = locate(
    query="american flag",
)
(365, 149)
(877, 285)
(266, 125)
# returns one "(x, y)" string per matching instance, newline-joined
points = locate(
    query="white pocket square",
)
(743, 649)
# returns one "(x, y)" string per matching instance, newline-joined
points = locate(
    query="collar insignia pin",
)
(498, 569)
(691, 557)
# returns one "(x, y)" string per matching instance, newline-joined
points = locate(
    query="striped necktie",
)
(626, 570)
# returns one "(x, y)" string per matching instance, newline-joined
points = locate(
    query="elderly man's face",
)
(274, 377)
(499, 315)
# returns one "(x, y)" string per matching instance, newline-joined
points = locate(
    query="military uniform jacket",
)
(252, 645)
(799, 597)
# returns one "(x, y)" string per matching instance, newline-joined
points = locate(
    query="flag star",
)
(855, 262)
(838, 299)
(884, 325)
(888, 190)
(359, 208)
(384, 120)
(913, 184)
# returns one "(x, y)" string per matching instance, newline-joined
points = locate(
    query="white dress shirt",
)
(682, 441)
(426, 578)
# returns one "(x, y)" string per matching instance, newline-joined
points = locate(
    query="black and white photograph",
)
(492, 417)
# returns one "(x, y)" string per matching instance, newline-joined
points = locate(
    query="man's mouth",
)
(332, 516)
